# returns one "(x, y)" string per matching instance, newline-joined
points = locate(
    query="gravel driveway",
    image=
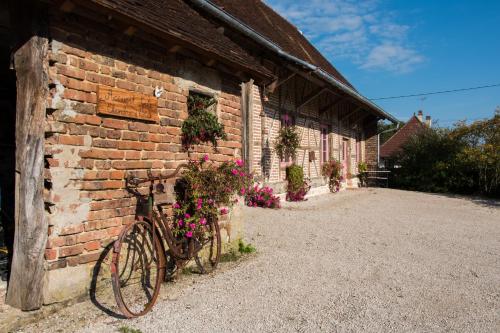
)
(367, 260)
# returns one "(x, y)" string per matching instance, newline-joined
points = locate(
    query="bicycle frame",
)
(159, 220)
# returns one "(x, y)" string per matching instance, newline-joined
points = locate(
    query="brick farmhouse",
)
(63, 182)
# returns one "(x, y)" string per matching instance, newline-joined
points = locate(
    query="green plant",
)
(362, 169)
(295, 177)
(463, 159)
(287, 142)
(297, 187)
(202, 190)
(332, 170)
(201, 124)
(126, 329)
(245, 248)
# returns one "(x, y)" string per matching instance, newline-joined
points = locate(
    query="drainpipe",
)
(233, 22)
(378, 142)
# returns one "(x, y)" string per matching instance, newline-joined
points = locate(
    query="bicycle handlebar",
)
(137, 181)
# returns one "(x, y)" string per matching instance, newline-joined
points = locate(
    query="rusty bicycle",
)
(147, 251)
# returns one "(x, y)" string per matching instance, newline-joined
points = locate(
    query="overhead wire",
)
(437, 92)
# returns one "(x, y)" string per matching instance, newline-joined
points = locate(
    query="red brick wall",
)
(88, 155)
(371, 144)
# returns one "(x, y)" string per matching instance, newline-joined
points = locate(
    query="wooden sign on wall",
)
(127, 104)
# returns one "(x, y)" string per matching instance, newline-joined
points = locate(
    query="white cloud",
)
(394, 58)
(355, 30)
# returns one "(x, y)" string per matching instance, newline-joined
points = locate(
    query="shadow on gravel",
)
(101, 280)
(480, 201)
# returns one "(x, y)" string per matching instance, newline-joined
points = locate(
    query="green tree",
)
(464, 159)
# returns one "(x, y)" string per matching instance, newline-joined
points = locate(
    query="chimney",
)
(428, 121)
(420, 115)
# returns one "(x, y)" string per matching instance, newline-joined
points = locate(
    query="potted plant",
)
(332, 170)
(362, 175)
(297, 186)
(287, 142)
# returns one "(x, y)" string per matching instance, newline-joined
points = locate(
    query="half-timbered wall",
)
(266, 121)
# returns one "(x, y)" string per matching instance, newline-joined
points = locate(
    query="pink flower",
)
(235, 172)
(203, 221)
(223, 211)
(200, 202)
(192, 226)
(189, 234)
(187, 215)
(205, 157)
(239, 163)
(242, 191)
(180, 223)
(210, 201)
(176, 205)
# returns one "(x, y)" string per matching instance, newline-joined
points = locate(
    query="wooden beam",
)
(360, 119)
(276, 83)
(331, 105)
(27, 273)
(130, 31)
(311, 96)
(349, 114)
(67, 6)
(174, 49)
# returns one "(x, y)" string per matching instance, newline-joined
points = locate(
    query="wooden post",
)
(26, 278)
(247, 130)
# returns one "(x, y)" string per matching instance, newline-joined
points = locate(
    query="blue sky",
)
(392, 48)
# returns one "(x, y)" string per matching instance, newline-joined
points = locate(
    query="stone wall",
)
(88, 154)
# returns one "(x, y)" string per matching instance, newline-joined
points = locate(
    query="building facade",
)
(98, 91)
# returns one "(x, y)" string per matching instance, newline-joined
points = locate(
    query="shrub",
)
(464, 159)
(297, 187)
(245, 248)
(201, 125)
(256, 196)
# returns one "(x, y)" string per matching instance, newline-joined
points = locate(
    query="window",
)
(324, 144)
(287, 120)
(208, 98)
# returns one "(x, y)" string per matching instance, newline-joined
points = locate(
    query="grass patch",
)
(245, 248)
(126, 329)
(230, 255)
(235, 250)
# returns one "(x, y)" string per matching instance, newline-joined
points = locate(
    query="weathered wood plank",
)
(26, 279)
(127, 104)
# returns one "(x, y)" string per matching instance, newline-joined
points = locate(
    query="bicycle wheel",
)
(137, 269)
(207, 247)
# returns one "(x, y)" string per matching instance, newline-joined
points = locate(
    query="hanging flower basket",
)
(201, 126)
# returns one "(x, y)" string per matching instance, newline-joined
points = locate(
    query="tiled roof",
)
(395, 142)
(263, 19)
(178, 20)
